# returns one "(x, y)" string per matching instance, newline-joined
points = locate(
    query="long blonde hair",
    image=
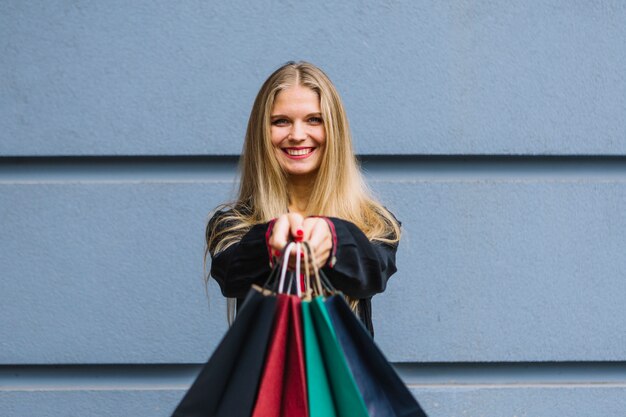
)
(339, 189)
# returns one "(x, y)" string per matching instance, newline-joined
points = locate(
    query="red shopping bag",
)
(282, 391)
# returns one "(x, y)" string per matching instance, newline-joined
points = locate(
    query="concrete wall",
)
(496, 132)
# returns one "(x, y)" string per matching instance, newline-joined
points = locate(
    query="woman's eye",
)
(280, 122)
(315, 120)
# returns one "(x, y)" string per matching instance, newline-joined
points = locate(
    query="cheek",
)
(322, 137)
(276, 136)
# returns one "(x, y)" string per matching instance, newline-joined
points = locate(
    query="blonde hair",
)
(339, 189)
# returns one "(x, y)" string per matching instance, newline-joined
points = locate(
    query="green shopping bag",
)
(319, 392)
(347, 399)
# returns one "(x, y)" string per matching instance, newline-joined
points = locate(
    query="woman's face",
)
(297, 131)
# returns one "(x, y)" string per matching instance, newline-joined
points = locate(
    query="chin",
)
(302, 172)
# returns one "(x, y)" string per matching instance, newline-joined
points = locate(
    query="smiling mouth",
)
(298, 151)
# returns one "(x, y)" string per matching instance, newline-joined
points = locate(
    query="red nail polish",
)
(298, 238)
(300, 232)
(277, 253)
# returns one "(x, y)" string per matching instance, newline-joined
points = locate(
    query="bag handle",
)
(315, 285)
(316, 282)
(307, 272)
(283, 271)
(298, 273)
(320, 284)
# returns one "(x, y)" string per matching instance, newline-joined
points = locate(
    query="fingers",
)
(296, 226)
(280, 234)
(319, 238)
(287, 227)
(293, 226)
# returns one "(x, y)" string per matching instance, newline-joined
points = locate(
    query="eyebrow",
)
(273, 116)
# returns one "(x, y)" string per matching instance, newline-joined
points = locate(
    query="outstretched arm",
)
(360, 268)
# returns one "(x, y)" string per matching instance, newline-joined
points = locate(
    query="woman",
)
(300, 181)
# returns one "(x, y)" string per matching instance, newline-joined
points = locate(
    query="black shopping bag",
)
(228, 382)
(382, 389)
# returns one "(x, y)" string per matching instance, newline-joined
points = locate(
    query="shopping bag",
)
(318, 388)
(382, 390)
(347, 399)
(227, 384)
(282, 390)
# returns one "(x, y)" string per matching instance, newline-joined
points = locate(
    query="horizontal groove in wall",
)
(377, 168)
(179, 376)
(523, 373)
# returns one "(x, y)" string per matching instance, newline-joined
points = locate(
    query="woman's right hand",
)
(289, 226)
(292, 226)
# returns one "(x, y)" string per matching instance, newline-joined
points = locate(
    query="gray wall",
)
(496, 132)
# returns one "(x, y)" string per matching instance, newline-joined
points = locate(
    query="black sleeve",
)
(242, 264)
(361, 270)
(362, 267)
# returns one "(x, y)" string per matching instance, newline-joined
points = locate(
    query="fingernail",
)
(300, 232)
(298, 238)
(277, 253)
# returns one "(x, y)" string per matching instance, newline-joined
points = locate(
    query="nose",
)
(298, 131)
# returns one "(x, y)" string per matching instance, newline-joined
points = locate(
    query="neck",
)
(299, 193)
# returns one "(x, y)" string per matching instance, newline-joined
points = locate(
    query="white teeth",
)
(299, 152)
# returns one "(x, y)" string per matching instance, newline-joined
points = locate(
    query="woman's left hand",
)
(317, 233)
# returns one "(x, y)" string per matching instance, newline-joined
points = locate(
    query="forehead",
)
(295, 99)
